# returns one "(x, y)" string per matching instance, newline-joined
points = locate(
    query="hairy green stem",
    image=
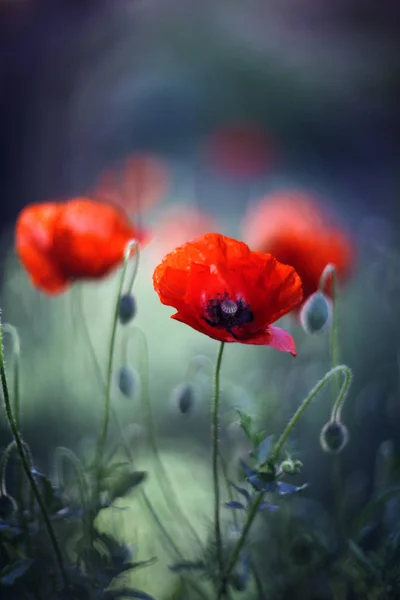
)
(106, 419)
(215, 456)
(3, 465)
(346, 371)
(330, 271)
(121, 436)
(169, 495)
(26, 467)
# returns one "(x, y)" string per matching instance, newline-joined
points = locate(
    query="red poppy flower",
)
(239, 150)
(298, 232)
(59, 243)
(220, 288)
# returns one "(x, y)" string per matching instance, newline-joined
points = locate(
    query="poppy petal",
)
(90, 238)
(299, 231)
(34, 235)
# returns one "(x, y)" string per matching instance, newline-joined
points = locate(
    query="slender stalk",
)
(106, 419)
(170, 497)
(7, 328)
(346, 371)
(121, 436)
(3, 465)
(215, 456)
(26, 467)
(330, 271)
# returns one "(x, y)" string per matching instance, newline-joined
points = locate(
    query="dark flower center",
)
(227, 313)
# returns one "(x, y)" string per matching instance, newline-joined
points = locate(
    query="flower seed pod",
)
(127, 381)
(127, 309)
(291, 467)
(334, 437)
(316, 314)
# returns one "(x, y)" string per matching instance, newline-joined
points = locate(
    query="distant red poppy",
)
(297, 230)
(222, 289)
(239, 150)
(177, 224)
(61, 242)
(135, 185)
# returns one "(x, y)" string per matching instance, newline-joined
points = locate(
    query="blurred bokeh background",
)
(232, 101)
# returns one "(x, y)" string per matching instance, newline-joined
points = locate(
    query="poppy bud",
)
(183, 397)
(291, 467)
(8, 506)
(316, 314)
(127, 381)
(127, 308)
(334, 437)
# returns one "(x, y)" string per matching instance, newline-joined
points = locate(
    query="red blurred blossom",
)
(239, 150)
(62, 242)
(222, 289)
(178, 224)
(299, 232)
(135, 185)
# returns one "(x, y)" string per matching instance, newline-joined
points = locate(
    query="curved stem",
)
(7, 328)
(103, 435)
(215, 456)
(62, 452)
(346, 371)
(25, 464)
(330, 271)
(120, 433)
(165, 484)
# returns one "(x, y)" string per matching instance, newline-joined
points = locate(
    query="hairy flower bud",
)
(183, 397)
(127, 381)
(127, 309)
(334, 437)
(316, 314)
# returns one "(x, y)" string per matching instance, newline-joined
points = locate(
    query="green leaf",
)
(10, 574)
(246, 423)
(123, 483)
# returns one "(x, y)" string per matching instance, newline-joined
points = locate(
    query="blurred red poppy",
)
(222, 289)
(135, 185)
(239, 150)
(61, 242)
(178, 224)
(297, 230)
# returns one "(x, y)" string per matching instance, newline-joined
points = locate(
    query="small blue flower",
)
(233, 504)
(266, 482)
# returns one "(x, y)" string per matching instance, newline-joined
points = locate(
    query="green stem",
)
(25, 464)
(346, 371)
(170, 497)
(106, 419)
(120, 433)
(3, 465)
(330, 271)
(7, 328)
(215, 456)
